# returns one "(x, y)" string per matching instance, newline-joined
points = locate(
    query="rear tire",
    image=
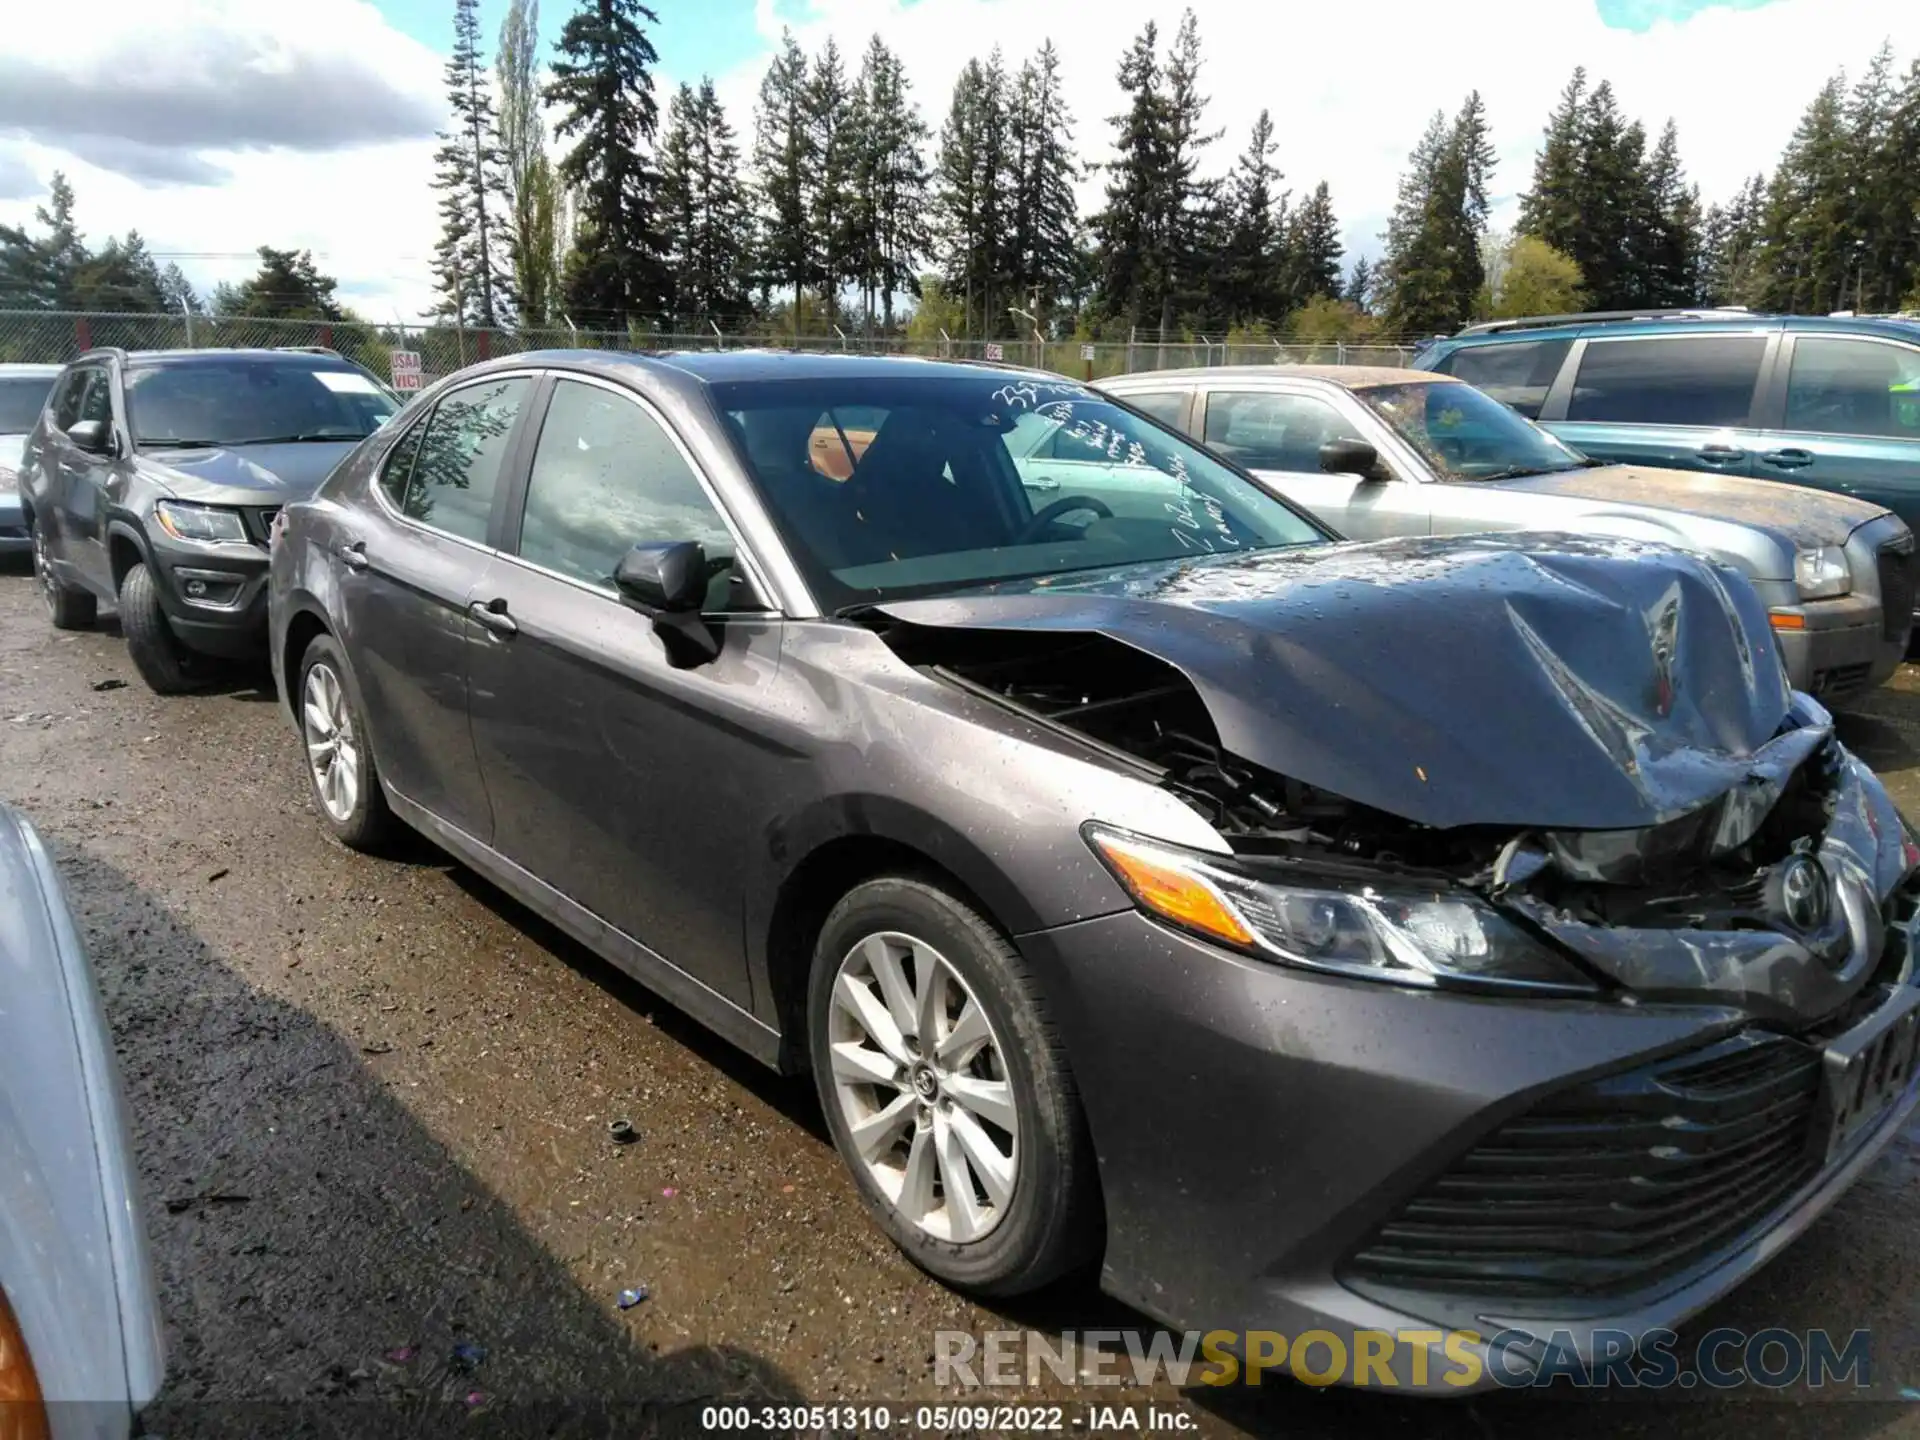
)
(340, 769)
(157, 654)
(67, 608)
(988, 1105)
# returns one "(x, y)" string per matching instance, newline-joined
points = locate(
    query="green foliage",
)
(532, 188)
(1323, 320)
(937, 311)
(890, 182)
(471, 272)
(286, 287)
(1536, 279)
(783, 161)
(1433, 270)
(704, 212)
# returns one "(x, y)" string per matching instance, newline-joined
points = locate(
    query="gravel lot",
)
(370, 1101)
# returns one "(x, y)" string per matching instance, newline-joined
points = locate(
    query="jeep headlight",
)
(1821, 572)
(206, 523)
(1394, 932)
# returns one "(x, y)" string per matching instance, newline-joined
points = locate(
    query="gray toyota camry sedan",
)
(1468, 932)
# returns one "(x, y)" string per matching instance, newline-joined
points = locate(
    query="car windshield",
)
(242, 401)
(21, 398)
(892, 488)
(1465, 434)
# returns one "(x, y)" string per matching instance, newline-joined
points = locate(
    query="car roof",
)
(309, 359)
(19, 371)
(1891, 327)
(1350, 377)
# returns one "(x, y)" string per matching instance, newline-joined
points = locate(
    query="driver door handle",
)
(1792, 458)
(493, 617)
(1720, 454)
(353, 556)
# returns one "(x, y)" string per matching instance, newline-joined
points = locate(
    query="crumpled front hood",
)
(1556, 682)
(268, 474)
(1791, 515)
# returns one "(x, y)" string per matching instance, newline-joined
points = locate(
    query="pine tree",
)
(1668, 258)
(1191, 221)
(1131, 266)
(1809, 232)
(829, 193)
(890, 182)
(58, 256)
(1894, 258)
(1314, 249)
(533, 199)
(286, 287)
(1730, 244)
(121, 278)
(1360, 286)
(603, 83)
(703, 208)
(1433, 269)
(972, 195)
(1255, 270)
(178, 291)
(783, 162)
(1045, 260)
(470, 271)
(1551, 209)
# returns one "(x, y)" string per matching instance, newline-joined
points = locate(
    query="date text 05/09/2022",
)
(945, 1419)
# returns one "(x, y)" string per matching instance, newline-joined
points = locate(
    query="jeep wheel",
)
(157, 654)
(69, 609)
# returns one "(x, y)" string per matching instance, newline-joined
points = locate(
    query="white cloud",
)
(243, 123)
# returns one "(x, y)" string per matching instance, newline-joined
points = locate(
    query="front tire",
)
(67, 608)
(947, 1090)
(340, 769)
(157, 653)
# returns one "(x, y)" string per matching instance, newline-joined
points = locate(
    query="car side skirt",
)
(658, 974)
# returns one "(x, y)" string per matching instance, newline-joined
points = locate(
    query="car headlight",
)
(1397, 933)
(1821, 573)
(185, 521)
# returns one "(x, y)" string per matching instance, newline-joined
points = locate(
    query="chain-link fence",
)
(55, 337)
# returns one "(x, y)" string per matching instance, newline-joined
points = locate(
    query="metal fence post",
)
(186, 314)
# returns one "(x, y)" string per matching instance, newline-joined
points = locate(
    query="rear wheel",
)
(947, 1091)
(157, 652)
(69, 609)
(339, 762)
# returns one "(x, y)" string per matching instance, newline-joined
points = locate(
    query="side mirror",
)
(1351, 457)
(93, 436)
(669, 582)
(670, 577)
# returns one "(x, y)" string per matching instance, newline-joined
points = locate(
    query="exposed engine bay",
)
(1778, 892)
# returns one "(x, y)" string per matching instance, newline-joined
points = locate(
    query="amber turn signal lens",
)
(23, 1414)
(1162, 886)
(1787, 622)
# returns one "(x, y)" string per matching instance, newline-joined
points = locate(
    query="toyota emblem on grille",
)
(1803, 893)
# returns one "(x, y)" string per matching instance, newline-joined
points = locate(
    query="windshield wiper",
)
(174, 442)
(1517, 472)
(302, 438)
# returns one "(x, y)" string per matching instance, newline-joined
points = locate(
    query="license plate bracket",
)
(1864, 1072)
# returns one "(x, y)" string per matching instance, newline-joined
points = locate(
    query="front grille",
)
(1841, 680)
(1896, 587)
(260, 523)
(1604, 1190)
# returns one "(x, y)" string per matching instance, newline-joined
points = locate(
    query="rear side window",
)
(447, 478)
(1854, 387)
(1265, 431)
(1166, 406)
(1669, 380)
(1517, 373)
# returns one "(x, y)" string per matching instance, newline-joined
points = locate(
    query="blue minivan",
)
(1830, 402)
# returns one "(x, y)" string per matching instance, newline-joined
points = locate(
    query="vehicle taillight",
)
(23, 1413)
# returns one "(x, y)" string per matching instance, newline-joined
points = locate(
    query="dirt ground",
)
(370, 1102)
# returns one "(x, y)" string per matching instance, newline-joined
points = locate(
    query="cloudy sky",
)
(216, 126)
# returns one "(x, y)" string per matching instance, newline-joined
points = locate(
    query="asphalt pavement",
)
(370, 1101)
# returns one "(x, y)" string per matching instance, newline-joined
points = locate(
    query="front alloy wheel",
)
(332, 752)
(947, 1090)
(68, 609)
(920, 1077)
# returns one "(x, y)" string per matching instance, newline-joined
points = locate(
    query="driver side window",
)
(1269, 431)
(606, 477)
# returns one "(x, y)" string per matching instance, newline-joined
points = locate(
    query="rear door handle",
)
(1720, 454)
(493, 616)
(353, 556)
(1790, 459)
